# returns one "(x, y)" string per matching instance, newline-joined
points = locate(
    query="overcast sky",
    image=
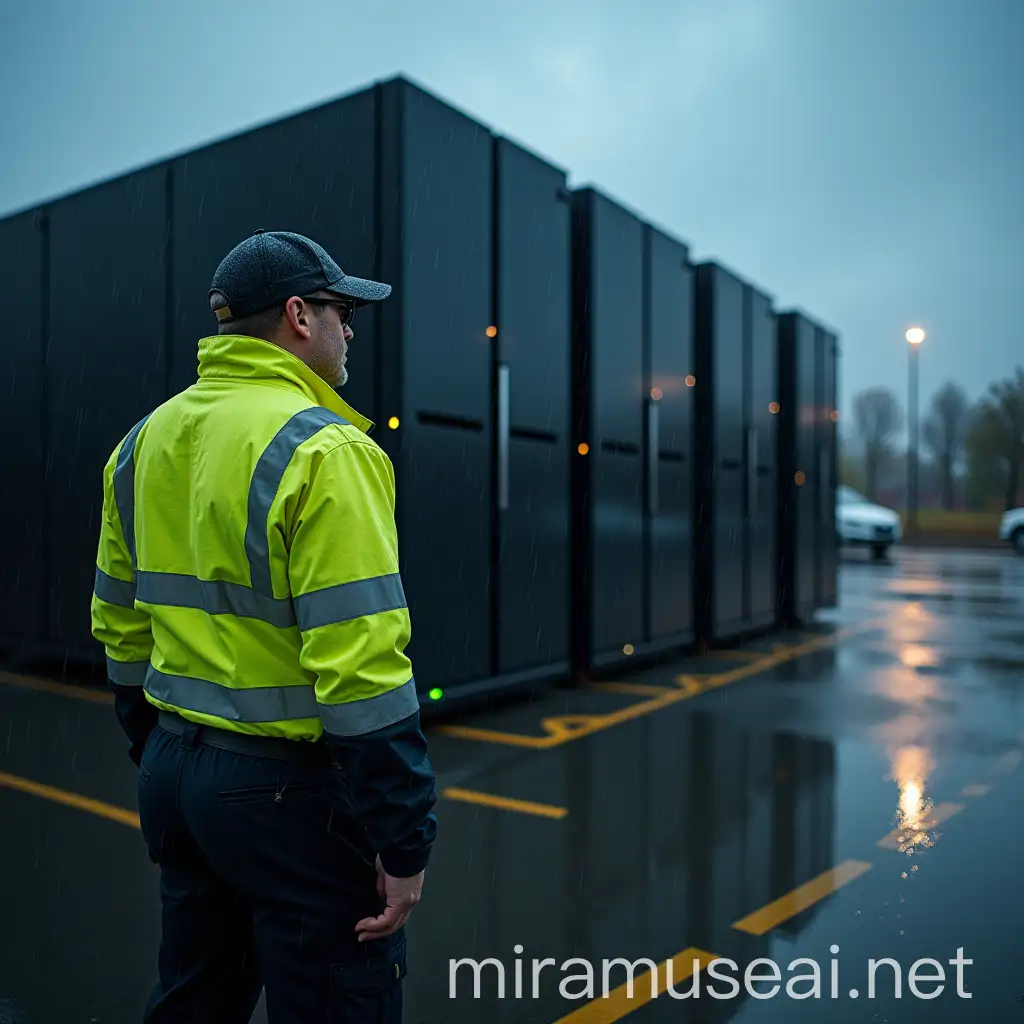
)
(863, 159)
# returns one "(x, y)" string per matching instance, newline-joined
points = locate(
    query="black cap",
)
(270, 267)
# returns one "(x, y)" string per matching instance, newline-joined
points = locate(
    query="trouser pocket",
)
(275, 793)
(368, 990)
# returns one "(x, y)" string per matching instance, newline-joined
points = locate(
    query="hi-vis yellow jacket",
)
(247, 570)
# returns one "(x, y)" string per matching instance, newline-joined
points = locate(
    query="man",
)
(248, 597)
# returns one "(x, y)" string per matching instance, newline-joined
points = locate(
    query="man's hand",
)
(402, 894)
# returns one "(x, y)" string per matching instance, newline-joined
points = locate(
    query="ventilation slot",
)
(528, 434)
(620, 448)
(438, 419)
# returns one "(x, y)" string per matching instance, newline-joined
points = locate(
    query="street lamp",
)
(914, 336)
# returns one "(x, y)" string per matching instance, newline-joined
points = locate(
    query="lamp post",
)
(914, 338)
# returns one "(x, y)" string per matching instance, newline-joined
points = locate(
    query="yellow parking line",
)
(60, 796)
(804, 896)
(508, 739)
(561, 729)
(60, 689)
(938, 814)
(505, 803)
(618, 1004)
(693, 684)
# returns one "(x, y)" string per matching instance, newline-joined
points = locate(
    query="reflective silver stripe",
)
(261, 704)
(349, 601)
(362, 716)
(114, 591)
(124, 487)
(266, 479)
(127, 673)
(216, 597)
(319, 608)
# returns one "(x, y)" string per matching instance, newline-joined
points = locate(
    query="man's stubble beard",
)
(324, 366)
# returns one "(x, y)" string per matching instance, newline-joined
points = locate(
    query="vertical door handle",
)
(824, 484)
(653, 446)
(752, 471)
(503, 437)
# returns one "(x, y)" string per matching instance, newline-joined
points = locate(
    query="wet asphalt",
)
(848, 792)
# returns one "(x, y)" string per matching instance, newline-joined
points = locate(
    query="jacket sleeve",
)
(354, 622)
(124, 630)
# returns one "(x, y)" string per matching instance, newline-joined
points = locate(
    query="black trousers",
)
(262, 881)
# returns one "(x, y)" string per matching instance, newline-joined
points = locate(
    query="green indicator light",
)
(436, 694)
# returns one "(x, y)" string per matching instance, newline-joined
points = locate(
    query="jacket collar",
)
(238, 357)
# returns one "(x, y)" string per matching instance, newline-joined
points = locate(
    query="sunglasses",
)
(346, 307)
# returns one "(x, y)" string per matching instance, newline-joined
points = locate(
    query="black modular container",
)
(668, 442)
(475, 358)
(807, 459)
(87, 359)
(541, 372)
(23, 425)
(737, 415)
(465, 370)
(533, 365)
(632, 437)
(106, 368)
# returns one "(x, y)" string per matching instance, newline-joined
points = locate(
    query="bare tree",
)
(986, 472)
(878, 417)
(1001, 426)
(944, 432)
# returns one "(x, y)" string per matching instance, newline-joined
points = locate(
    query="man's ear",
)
(297, 313)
